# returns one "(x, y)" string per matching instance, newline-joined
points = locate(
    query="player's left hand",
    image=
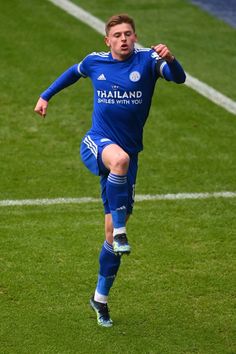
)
(164, 52)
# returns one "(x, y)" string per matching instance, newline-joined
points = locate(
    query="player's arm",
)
(168, 66)
(69, 77)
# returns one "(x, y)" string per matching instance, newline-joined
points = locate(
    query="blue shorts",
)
(91, 155)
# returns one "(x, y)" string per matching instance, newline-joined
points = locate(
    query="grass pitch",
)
(175, 292)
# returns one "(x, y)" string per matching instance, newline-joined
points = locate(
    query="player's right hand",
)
(41, 107)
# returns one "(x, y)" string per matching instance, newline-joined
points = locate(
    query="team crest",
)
(155, 55)
(135, 76)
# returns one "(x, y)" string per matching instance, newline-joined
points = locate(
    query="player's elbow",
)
(181, 79)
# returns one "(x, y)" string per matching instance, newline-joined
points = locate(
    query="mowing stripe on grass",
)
(138, 198)
(195, 84)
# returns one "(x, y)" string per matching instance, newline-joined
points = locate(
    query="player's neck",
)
(121, 57)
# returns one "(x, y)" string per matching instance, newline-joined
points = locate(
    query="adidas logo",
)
(101, 77)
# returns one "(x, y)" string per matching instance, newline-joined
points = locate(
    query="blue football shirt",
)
(123, 93)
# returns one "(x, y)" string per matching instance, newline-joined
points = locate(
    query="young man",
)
(123, 80)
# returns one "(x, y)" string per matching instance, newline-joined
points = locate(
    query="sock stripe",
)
(108, 247)
(116, 179)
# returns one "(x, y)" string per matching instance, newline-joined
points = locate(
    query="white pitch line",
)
(182, 196)
(48, 201)
(205, 90)
(138, 198)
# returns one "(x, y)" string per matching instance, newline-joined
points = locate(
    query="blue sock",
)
(117, 195)
(109, 265)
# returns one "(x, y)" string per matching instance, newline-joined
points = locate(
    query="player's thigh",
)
(91, 150)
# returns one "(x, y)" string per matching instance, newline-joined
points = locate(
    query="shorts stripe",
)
(91, 145)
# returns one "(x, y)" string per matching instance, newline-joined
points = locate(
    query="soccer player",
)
(123, 81)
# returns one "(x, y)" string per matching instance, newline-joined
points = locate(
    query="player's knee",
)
(120, 162)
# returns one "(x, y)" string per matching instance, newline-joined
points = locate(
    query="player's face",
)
(121, 40)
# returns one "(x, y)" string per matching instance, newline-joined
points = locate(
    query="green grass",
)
(182, 303)
(177, 287)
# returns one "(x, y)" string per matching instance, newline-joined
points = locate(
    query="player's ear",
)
(107, 42)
